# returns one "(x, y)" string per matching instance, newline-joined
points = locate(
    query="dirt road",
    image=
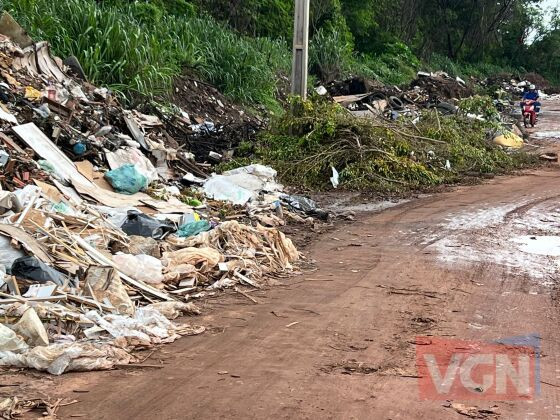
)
(338, 342)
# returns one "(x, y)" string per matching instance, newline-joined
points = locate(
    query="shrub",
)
(330, 55)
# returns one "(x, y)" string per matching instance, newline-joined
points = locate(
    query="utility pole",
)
(301, 48)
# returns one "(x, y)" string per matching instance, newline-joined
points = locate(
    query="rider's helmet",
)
(532, 87)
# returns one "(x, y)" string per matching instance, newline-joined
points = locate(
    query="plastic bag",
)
(9, 201)
(9, 341)
(139, 224)
(264, 172)
(8, 254)
(306, 205)
(220, 187)
(31, 268)
(60, 358)
(193, 228)
(134, 157)
(140, 267)
(26, 194)
(335, 178)
(32, 329)
(126, 179)
(299, 202)
(242, 184)
(116, 215)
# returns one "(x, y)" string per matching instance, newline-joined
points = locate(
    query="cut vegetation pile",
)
(382, 155)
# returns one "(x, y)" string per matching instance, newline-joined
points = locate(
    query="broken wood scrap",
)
(405, 291)
(18, 299)
(241, 292)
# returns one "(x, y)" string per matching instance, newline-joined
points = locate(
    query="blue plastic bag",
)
(126, 179)
(193, 229)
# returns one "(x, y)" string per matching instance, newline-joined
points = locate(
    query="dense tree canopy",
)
(491, 31)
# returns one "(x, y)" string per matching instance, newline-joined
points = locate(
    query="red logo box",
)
(476, 370)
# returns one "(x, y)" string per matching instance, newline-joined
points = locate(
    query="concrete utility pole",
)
(301, 48)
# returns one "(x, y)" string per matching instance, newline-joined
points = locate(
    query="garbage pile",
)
(214, 125)
(429, 90)
(101, 244)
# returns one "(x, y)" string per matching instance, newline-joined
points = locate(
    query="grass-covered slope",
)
(135, 47)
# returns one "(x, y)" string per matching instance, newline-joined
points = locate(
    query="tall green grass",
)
(134, 52)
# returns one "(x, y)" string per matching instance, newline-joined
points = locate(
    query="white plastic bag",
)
(140, 267)
(135, 157)
(9, 341)
(32, 329)
(242, 184)
(222, 188)
(8, 254)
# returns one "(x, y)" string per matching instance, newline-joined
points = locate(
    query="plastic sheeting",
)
(8, 254)
(60, 358)
(31, 268)
(172, 310)
(31, 328)
(143, 268)
(509, 139)
(10, 342)
(193, 228)
(242, 185)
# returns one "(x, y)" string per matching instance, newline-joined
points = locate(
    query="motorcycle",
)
(530, 115)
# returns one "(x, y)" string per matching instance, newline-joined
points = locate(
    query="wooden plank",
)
(90, 302)
(11, 144)
(28, 241)
(14, 299)
(100, 258)
(135, 130)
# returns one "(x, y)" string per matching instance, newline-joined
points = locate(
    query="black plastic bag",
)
(31, 268)
(305, 205)
(139, 224)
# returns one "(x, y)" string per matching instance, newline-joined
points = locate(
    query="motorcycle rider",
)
(532, 95)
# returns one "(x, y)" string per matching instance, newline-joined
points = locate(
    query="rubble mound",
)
(202, 102)
(353, 86)
(211, 122)
(537, 80)
(442, 87)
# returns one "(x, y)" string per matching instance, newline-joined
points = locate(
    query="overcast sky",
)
(547, 4)
(550, 3)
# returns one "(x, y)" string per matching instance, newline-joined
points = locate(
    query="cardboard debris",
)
(10, 28)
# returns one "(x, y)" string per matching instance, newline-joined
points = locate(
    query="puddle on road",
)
(368, 207)
(522, 237)
(546, 135)
(540, 245)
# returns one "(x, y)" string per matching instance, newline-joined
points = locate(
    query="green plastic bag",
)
(126, 179)
(193, 229)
